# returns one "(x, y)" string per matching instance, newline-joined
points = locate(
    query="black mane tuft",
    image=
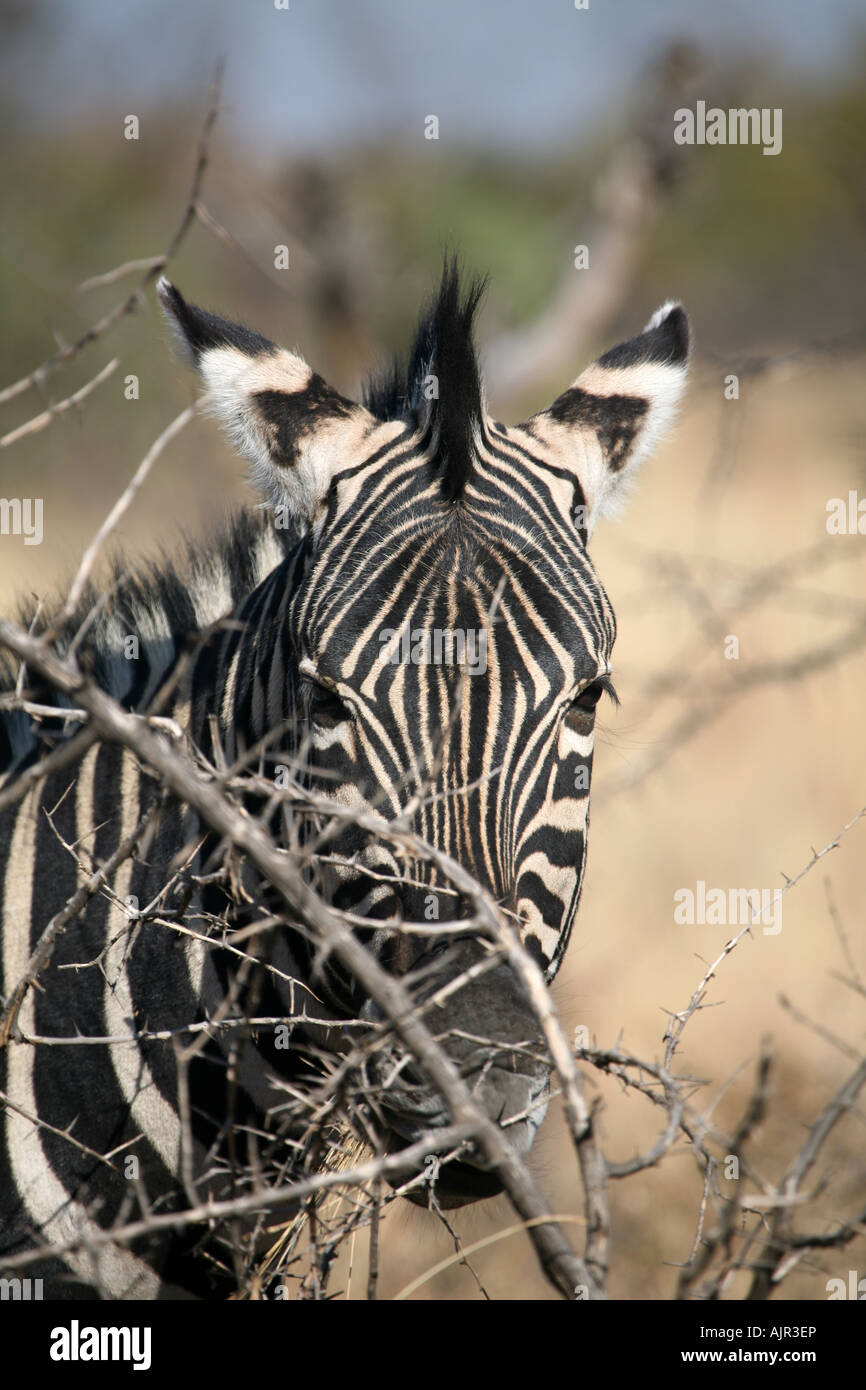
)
(442, 383)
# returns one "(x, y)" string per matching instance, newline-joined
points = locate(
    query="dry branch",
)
(40, 422)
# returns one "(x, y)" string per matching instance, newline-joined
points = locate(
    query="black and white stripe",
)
(414, 513)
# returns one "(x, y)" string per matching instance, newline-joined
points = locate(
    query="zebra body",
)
(397, 533)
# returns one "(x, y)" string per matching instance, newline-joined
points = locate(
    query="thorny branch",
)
(197, 789)
(177, 773)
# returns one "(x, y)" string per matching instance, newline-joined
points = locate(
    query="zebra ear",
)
(294, 429)
(607, 422)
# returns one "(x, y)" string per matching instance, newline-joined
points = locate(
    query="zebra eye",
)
(326, 707)
(589, 698)
(584, 704)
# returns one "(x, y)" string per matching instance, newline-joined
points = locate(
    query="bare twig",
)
(39, 422)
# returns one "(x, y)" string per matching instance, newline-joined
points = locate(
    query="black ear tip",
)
(170, 298)
(679, 333)
(197, 330)
(184, 319)
(671, 332)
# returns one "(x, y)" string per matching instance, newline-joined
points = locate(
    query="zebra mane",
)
(441, 384)
(163, 600)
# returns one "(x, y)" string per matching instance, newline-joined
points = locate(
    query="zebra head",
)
(451, 641)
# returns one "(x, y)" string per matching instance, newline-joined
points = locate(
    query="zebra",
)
(411, 625)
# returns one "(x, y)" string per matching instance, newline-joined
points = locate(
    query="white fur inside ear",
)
(233, 379)
(594, 477)
(324, 442)
(578, 446)
(661, 387)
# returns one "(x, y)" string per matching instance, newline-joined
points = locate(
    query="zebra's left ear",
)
(607, 422)
(285, 419)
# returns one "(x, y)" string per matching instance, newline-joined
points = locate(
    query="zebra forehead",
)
(414, 547)
(360, 615)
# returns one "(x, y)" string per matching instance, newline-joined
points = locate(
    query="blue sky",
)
(508, 73)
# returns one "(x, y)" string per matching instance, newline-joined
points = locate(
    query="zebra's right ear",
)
(294, 429)
(606, 423)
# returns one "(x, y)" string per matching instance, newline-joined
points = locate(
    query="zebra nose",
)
(516, 1101)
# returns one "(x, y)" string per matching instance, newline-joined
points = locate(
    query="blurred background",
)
(555, 130)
